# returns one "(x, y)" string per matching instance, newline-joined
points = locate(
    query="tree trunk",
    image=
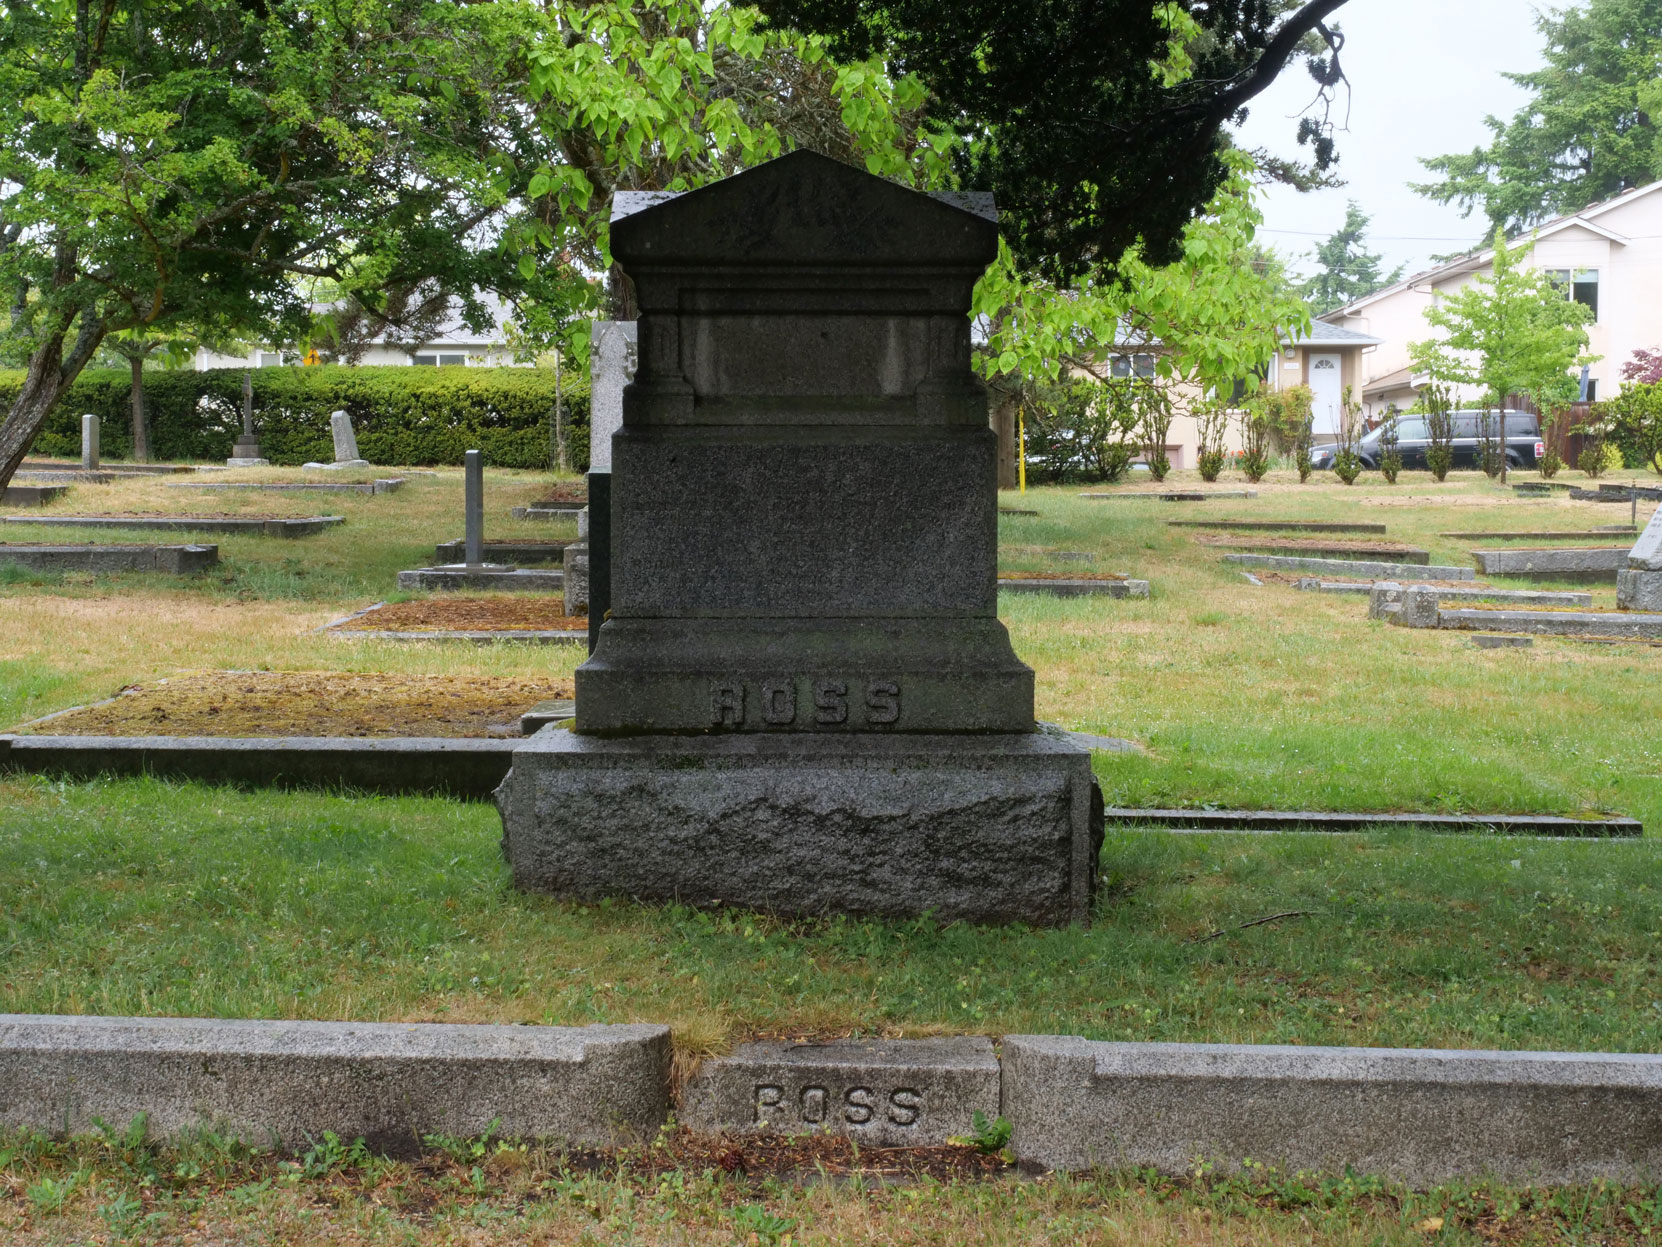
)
(41, 387)
(141, 428)
(48, 376)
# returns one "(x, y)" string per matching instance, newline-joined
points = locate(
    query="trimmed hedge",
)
(405, 416)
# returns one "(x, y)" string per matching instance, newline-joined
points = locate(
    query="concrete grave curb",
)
(177, 560)
(484, 576)
(331, 487)
(469, 767)
(449, 552)
(1279, 526)
(1419, 1116)
(300, 527)
(881, 1093)
(1416, 1116)
(1187, 495)
(286, 1082)
(1065, 587)
(1352, 567)
(1327, 821)
(1550, 563)
(31, 495)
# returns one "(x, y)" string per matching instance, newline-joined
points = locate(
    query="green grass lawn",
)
(138, 896)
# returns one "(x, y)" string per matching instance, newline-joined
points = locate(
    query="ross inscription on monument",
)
(789, 702)
(813, 1105)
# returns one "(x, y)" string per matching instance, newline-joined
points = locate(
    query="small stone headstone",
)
(473, 505)
(1385, 593)
(346, 441)
(89, 443)
(1419, 608)
(612, 353)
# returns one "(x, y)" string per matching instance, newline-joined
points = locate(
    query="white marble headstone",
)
(611, 367)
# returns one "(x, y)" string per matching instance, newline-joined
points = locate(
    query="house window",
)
(1580, 284)
(1592, 390)
(446, 360)
(1132, 365)
(271, 359)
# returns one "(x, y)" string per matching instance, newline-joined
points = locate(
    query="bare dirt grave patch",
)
(311, 703)
(472, 614)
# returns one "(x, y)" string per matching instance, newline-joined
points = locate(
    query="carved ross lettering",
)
(779, 702)
(727, 705)
(830, 702)
(904, 1106)
(767, 1096)
(882, 703)
(813, 1105)
(857, 1110)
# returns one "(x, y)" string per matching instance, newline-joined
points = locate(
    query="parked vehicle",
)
(1524, 446)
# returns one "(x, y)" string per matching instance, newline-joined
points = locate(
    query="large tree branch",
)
(1312, 16)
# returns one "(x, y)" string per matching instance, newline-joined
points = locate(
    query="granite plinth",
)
(879, 1092)
(994, 828)
(1638, 590)
(286, 1082)
(1419, 1116)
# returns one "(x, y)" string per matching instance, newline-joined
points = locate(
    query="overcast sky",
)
(1423, 75)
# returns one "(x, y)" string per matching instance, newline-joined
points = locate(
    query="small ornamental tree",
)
(1437, 401)
(1212, 420)
(1390, 450)
(1511, 331)
(1347, 464)
(1636, 420)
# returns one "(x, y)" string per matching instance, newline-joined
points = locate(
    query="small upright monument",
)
(89, 443)
(245, 453)
(612, 352)
(346, 444)
(802, 699)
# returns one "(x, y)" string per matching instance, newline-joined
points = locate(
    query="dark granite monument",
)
(802, 698)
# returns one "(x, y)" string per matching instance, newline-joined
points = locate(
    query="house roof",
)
(1401, 379)
(1323, 334)
(1586, 218)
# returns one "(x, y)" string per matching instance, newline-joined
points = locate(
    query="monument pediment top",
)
(804, 208)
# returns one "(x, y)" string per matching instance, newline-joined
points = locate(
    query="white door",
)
(1324, 384)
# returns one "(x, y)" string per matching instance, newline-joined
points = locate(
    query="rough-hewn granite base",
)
(979, 828)
(287, 1082)
(879, 1092)
(1417, 1116)
(1639, 590)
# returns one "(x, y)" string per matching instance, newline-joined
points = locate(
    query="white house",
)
(452, 345)
(1608, 255)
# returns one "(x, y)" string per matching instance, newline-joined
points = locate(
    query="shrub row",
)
(402, 416)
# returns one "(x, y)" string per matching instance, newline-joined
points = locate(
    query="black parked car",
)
(1524, 447)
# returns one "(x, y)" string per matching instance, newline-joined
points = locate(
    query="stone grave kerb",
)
(804, 487)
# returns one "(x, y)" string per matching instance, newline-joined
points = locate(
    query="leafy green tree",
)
(1511, 331)
(1215, 316)
(1346, 272)
(1096, 125)
(1588, 131)
(172, 162)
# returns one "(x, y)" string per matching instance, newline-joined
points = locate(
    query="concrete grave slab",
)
(879, 1092)
(550, 513)
(1487, 640)
(1351, 567)
(1512, 597)
(1415, 1116)
(284, 1083)
(112, 469)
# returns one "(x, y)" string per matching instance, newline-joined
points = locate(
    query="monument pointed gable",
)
(805, 209)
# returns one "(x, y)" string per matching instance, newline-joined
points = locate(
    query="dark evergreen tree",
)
(1347, 272)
